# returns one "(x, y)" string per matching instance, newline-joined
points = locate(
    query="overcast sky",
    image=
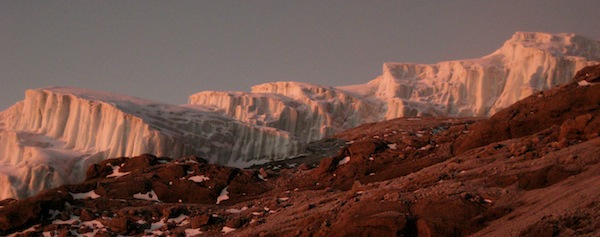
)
(168, 50)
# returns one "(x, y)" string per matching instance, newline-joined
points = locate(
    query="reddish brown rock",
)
(199, 221)
(87, 215)
(120, 225)
(236, 222)
(139, 163)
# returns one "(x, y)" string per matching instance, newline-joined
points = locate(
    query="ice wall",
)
(307, 111)
(526, 63)
(52, 136)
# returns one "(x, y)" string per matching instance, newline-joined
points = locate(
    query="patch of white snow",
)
(227, 229)
(116, 172)
(192, 232)
(91, 194)
(344, 161)
(199, 178)
(223, 196)
(149, 196)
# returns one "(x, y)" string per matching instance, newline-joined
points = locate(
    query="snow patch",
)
(181, 220)
(192, 232)
(116, 172)
(283, 199)
(584, 83)
(91, 194)
(30, 229)
(149, 196)
(70, 221)
(199, 178)
(223, 196)
(156, 225)
(261, 177)
(344, 161)
(227, 229)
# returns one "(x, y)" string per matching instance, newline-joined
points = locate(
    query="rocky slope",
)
(529, 170)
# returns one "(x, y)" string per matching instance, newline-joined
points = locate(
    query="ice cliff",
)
(305, 110)
(526, 63)
(52, 136)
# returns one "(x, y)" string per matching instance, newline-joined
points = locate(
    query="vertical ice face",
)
(307, 111)
(52, 136)
(526, 63)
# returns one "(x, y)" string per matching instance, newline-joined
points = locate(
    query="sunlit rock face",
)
(52, 136)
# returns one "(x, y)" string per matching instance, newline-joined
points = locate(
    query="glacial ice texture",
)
(52, 136)
(526, 63)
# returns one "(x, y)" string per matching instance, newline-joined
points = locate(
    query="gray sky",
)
(168, 50)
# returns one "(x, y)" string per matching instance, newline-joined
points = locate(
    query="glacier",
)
(307, 111)
(526, 63)
(55, 133)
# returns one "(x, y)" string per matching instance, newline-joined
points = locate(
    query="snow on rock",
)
(116, 172)
(91, 194)
(199, 178)
(584, 83)
(70, 221)
(180, 220)
(223, 196)
(149, 196)
(193, 232)
(261, 177)
(236, 211)
(53, 135)
(24, 232)
(156, 225)
(344, 161)
(227, 229)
